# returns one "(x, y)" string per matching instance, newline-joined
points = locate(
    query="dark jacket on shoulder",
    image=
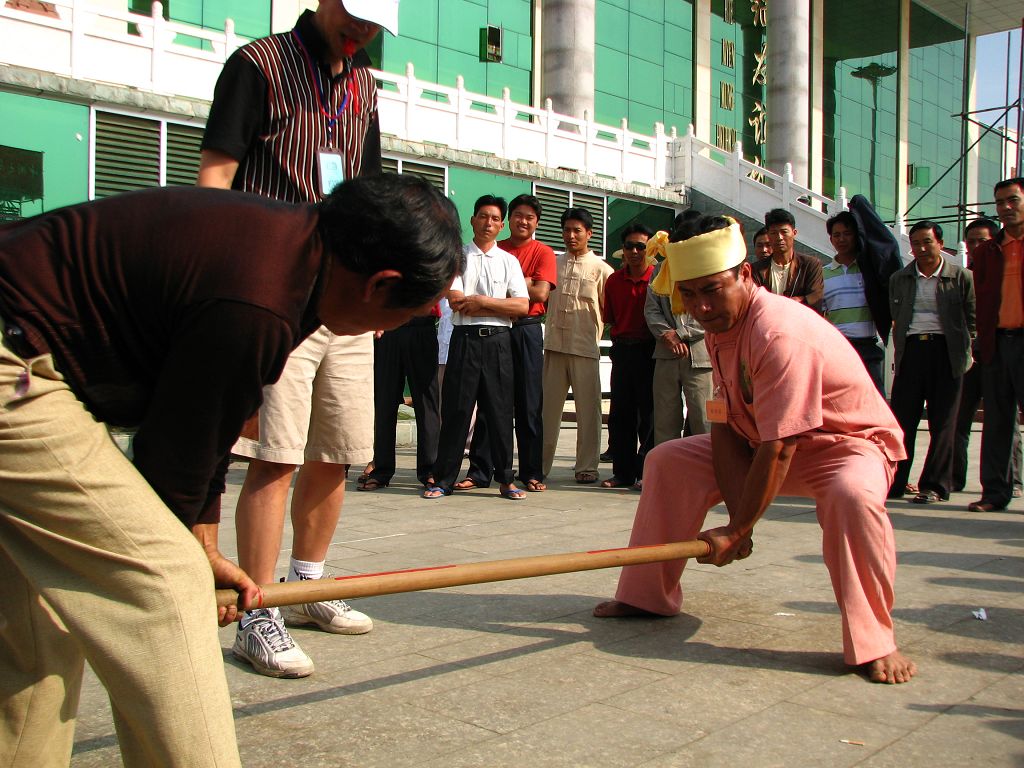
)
(878, 259)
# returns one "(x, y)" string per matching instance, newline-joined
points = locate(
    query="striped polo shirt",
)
(302, 97)
(844, 302)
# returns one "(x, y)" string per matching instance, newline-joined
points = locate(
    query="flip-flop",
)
(466, 484)
(586, 478)
(535, 486)
(435, 492)
(613, 482)
(513, 494)
(371, 484)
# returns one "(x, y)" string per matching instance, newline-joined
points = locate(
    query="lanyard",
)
(331, 119)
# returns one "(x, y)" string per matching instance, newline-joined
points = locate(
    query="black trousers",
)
(528, 398)
(630, 418)
(409, 351)
(926, 377)
(479, 371)
(1003, 392)
(970, 399)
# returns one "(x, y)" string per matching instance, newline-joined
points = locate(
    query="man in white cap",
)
(794, 412)
(293, 115)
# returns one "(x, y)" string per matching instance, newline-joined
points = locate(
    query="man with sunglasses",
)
(293, 115)
(632, 353)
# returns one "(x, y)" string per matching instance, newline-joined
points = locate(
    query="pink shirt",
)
(783, 370)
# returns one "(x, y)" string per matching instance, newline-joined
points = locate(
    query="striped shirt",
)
(926, 304)
(278, 145)
(844, 302)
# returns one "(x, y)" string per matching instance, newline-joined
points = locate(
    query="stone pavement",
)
(519, 673)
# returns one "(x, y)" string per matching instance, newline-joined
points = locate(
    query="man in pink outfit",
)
(794, 412)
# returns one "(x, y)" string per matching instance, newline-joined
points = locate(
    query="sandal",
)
(981, 506)
(366, 473)
(371, 484)
(586, 478)
(435, 492)
(512, 494)
(926, 497)
(535, 486)
(467, 484)
(612, 482)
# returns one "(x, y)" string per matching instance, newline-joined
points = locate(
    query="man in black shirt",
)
(165, 310)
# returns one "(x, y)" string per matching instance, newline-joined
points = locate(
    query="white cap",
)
(383, 13)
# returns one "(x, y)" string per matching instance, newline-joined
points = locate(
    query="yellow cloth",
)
(699, 256)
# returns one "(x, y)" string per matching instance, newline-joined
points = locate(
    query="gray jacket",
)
(658, 312)
(956, 311)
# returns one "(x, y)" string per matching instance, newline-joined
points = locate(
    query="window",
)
(555, 201)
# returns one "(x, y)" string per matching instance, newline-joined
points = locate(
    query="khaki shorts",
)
(321, 409)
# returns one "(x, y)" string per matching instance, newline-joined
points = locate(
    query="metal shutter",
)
(182, 161)
(595, 205)
(554, 201)
(127, 153)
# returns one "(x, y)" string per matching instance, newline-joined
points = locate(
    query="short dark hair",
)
(684, 216)
(373, 223)
(527, 200)
(983, 223)
(1016, 181)
(926, 224)
(845, 218)
(779, 216)
(700, 226)
(762, 232)
(636, 228)
(581, 215)
(498, 202)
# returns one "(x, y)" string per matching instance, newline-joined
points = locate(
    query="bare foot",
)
(613, 609)
(894, 668)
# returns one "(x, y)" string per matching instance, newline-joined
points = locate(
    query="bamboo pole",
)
(437, 577)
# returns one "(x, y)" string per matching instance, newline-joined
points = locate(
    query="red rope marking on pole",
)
(622, 549)
(393, 573)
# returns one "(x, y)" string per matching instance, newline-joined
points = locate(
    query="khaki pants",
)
(95, 567)
(562, 371)
(670, 378)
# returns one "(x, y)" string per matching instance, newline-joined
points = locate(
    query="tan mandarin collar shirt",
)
(575, 319)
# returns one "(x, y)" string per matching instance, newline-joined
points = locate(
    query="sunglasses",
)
(634, 246)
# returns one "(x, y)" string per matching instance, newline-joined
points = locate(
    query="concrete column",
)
(567, 39)
(789, 74)
(973, 194)
(902, 114)
(817, 137)
(702, 70)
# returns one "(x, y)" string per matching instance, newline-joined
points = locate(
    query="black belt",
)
(1009, 331)
(531, 320)
(625, 341)
(480, 330)
(927, 337)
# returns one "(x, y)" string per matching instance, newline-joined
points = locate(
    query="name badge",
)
(332, 169)
(716, 411)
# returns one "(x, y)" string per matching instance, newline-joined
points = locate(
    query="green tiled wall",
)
(465, 186)
(643, 63)
(442, 40)
(748, 40)
(61, 132)
(251, 19)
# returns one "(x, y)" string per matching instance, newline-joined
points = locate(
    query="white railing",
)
(417, 110)
(89, 42)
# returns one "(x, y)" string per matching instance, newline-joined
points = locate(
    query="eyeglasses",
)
(634, 246)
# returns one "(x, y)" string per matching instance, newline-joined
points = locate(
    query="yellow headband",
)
(700, 256)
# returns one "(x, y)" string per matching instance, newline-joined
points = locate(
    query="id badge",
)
(332, 169)
(716, 411)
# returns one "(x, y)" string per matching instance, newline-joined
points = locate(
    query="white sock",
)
(304, 569)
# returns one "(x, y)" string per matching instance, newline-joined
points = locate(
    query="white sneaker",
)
(265, 643)
(335, 616)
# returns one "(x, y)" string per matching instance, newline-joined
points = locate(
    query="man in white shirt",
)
(485, 298)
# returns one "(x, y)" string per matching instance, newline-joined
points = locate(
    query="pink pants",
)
(847, 477)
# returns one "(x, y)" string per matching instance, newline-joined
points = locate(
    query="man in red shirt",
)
(999, 286)
(632, 353)
(541, 274)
